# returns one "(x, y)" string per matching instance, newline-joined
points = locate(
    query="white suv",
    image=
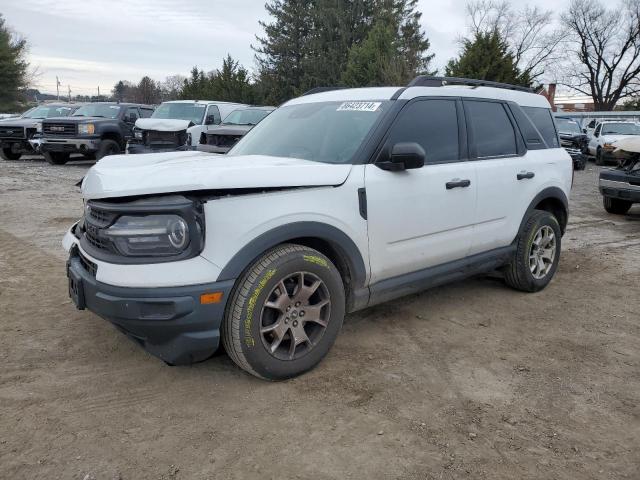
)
(337, 201)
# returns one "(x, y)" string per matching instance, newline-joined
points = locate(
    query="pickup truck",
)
(620, 186)
(94, 130)
(17, 134)
(177, 125)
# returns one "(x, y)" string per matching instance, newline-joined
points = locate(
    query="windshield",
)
(193, 112)
(620, 129)
(328, 132)
(567, 126)
(48, 111)
(245, 117)
(97, 110)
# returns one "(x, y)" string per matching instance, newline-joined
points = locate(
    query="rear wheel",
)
(615, 205)
(107, 147)
(537, 254)
(9, 154)
(285, 313)
(56, 158)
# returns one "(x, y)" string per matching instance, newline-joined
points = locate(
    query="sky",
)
(94, 43)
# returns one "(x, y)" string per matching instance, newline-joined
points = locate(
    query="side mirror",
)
(131, 118)
(404, 156)
(596, 135)
(210, 120)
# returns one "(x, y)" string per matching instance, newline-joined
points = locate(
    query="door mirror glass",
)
(210, 120)
(404, 156)
(131, 118)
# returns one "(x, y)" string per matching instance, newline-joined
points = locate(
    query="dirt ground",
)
(472, 380)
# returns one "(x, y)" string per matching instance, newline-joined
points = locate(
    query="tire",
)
(520, 273)
(616, 205)
(107, 147)
(56, 158)
(245, 331)
(599, 158)
(8, 154)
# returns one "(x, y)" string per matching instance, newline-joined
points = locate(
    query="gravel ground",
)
(471, 380)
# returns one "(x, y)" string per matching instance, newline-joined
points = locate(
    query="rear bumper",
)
(169, 322)
(620, 187)
(70, 145)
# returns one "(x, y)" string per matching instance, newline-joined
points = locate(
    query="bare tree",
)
(606, 43)
(529, 33)
(172, 86)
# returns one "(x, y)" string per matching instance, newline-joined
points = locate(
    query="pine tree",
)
(232, 82)
(281, 54)
(13, 68)
(487, 57)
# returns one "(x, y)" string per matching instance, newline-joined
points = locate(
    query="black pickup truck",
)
(17, 134)
(94, 130)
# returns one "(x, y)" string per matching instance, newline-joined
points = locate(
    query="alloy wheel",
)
(295, 315)
(543, 252)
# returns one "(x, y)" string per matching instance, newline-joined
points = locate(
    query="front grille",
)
(87, 264)
(155, 139)
(223, 140)
(11, 132)
(59, 128)
(95, 221)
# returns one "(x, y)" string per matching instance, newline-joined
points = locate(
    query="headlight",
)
(38, 127)
(137, 134)
(150, 235)
(86, 129)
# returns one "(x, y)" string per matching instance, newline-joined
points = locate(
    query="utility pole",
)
(69, 86)
(58, 87)
(98, 92)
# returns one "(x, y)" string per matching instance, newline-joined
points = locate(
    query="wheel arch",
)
(552, 200)
(327, 239)
(114, 135)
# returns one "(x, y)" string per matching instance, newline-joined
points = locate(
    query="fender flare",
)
(339, 240)
(549, 192)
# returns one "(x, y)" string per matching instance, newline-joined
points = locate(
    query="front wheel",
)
(537, 254)
(599, 157)
(285, 313)
(615, 205)
(107, 147)
(56, 158)
(9, 154)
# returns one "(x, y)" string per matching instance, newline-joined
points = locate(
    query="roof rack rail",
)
(427, 81)
(321, 90)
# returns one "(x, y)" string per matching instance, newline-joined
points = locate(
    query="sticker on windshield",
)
(359, 106)
(115, 107)
(199, 106)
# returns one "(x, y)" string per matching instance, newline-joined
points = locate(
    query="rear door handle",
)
(457, 183)
(526, 175)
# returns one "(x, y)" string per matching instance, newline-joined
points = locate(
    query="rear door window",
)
(493, 131)
(543, 120)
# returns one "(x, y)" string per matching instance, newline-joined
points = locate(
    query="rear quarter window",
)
(543, 121)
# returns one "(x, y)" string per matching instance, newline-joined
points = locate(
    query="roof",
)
(522, 98)
(207, 102)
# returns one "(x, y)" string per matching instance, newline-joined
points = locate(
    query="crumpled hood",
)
(21, 122)
(614, 138)
(229, 130)
(163, 124)
(629, 143)
(172, 172)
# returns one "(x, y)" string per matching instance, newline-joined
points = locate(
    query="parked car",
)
(334, 202)
(177, 125)
(602, 143)
(573, 140)
(17, 134)
(95, 130)
(236, 125)
(620, 186)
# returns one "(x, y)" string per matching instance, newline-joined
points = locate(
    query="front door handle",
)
(526, 175)
(457, 183)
